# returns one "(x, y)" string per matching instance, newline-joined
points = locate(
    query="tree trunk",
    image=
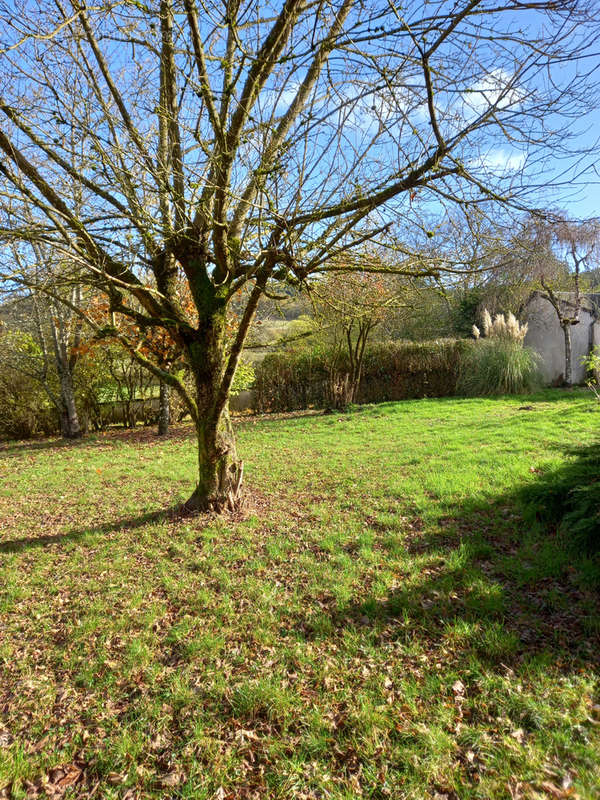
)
(220, 471)
(164, 411)
(69, 419)
(568, 367)
(339, 390)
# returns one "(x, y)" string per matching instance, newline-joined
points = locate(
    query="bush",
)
(406, 370)
(298, 378)
(290, 380)
(243, 378)
(498, 366)
(592, 364)
(25, 408)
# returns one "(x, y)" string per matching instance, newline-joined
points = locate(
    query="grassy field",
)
(381, 621)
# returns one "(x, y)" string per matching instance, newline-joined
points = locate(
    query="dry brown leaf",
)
(556, 791)
(115, 777)
(171, 779)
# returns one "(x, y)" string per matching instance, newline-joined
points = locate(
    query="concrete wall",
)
(546, 337)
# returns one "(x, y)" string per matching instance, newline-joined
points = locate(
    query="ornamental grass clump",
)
(497, 362)
(507, 328)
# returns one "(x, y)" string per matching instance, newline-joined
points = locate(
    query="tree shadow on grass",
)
(509, 578)
(122, 525)
(16, 448)
(133, 436)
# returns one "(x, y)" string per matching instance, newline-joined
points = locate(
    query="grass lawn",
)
(381, 621)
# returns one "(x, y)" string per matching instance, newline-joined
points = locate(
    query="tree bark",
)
(164, 411)
(568, 368)
(69, 419)
(220, 471)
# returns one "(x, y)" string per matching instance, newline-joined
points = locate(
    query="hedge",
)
(294, 379)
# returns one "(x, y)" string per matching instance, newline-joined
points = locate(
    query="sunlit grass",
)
(379, 622)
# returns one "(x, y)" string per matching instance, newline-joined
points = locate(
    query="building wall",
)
(546, 337)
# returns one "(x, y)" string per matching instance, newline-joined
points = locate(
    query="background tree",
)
(50, 314)
(575, 243)
(502, 263)
(348, 309)
(232, 147)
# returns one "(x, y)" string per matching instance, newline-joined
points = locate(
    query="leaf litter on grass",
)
(370, 650)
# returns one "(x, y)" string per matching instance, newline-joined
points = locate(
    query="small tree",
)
(348, 308)
(578, 242)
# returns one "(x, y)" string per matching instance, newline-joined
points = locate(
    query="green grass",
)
(384, 620)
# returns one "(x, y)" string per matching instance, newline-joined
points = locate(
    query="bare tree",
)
(55, 323)
(577, 242)
(253, 142)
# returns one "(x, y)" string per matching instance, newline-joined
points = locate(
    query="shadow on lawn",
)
(509, 578)
(124, 525)
(502, 574)
(139, 435)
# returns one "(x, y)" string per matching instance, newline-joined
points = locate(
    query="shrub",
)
(405, 370)
(502, 327)
(25, 408)
(592, 364)
(298, 378)
(243, 378)
(291, 379)
(498, 365)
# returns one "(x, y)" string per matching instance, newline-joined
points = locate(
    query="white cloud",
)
(495, 89)
(500, 160)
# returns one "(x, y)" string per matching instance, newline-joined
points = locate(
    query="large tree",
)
(236, 143)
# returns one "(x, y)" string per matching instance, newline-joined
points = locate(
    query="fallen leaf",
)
(554, 790)
(518, 735)
(115, 777)
(172, 779)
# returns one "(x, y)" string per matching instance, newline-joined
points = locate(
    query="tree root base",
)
(212, 505)
(228, 497)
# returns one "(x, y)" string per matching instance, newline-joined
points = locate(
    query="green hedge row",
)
(400, 370)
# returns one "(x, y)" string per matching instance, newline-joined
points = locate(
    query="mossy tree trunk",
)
(213, 360)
